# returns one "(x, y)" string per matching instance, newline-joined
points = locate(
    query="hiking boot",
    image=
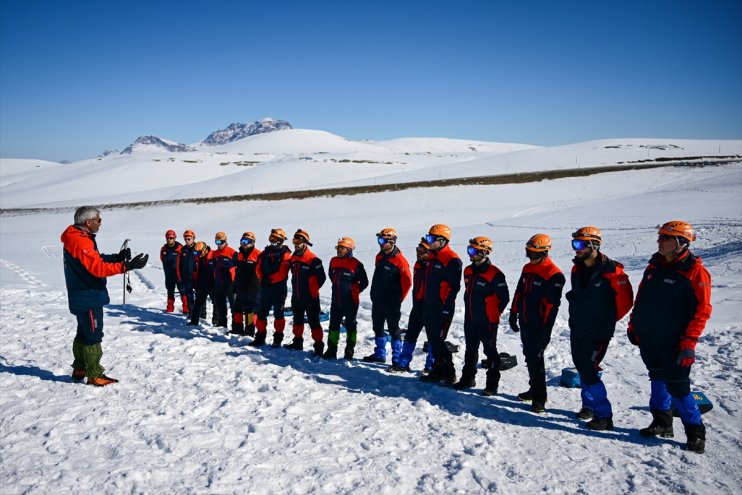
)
(434, 376)
(696, 438)
(661, 425)
(296, 345)
(349, 351)
(449, 379)
(318, 348)
(526, 396)
(101, 381)
(464, 383)
(250, 331)
(237, 329)
(371, 358)
(538, 407)
(426, 371)
(330, 353)
(78, 375)
(259, 340)
(584, 413)
(489, 392)
(600, 424)
(277, 339)
(395, 368)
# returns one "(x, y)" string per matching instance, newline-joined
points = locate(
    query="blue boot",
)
(379, 355)
(396, 350)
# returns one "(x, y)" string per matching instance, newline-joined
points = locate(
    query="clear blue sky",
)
(77, 77)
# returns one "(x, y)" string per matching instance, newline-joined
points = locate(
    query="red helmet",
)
(170, 234)
(677, 228)
(539, 243)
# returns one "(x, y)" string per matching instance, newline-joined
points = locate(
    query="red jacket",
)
(307, 275)
(273, 265)
(486, 294)
(223, 266)
(443, 280)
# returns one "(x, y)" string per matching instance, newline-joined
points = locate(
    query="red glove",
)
(633, 337)
(687, 352)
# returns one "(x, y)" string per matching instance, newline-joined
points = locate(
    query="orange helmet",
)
(677, 228)
(347, 242)
(302, 235)
(388, 233)
(481, 243)
(588, 234)
(277, 235)
(248, 235)
(170, 234)
(539, 243)
(201, 247)
(440, 230)
(220, 236)
(189, 233)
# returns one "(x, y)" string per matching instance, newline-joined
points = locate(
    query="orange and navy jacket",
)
(273, 265)
(204, 274)
(186, 264)
(605, 298)
(348, 278)
(673, 301)
(486, 294)
(537, 298)
(307, 275)
(245, 278)
(443, 278)
(392, 279)
(85, 270)
(169, 257)
(223, 266)
(418, 282)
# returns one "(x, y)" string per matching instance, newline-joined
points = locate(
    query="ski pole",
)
(127, 284)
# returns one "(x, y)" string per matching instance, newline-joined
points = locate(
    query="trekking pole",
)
(127, 281)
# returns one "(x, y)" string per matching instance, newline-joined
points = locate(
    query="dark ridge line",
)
(483, 180)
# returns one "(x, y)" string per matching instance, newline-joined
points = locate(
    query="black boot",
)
(696, 435)
(600, 424)
(296, 345)
(465, 382)
(250, 330)
(277, 339)
(238, 329)
(331, 352)
(349, 352)
(259, 340)
(661, 425)
(584, 413)
(318, 348)
(526, 396)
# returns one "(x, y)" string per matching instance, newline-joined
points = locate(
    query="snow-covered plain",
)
(198, 411)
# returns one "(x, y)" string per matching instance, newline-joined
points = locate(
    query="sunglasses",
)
(170, 238)
(663, 237)
(579, 244)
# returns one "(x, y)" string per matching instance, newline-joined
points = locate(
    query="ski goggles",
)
(245, 241)
(219, 242)
(580, 244)
(430, 238)
(472, 251)
(382, 240)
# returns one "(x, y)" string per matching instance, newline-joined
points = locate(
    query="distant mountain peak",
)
(166, 145)
(237, 131)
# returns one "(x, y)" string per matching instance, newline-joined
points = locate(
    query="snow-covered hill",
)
(198, 411)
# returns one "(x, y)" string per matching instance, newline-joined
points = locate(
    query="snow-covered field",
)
(198, 411)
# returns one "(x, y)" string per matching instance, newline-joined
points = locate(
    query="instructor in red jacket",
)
(85, 272)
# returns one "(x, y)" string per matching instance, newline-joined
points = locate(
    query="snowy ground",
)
(197, 411)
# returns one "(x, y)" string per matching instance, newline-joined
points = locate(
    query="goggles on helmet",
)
(580, 244)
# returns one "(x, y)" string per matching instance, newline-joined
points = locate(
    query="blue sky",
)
(78, 77)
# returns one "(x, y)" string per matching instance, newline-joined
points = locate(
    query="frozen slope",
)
(199, 412)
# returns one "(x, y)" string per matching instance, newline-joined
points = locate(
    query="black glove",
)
(138, 262)
(125, 254)
(513, 320)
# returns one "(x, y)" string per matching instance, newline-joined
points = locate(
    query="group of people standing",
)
(670, 309)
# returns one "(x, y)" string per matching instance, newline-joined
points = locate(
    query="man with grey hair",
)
(85, 272)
